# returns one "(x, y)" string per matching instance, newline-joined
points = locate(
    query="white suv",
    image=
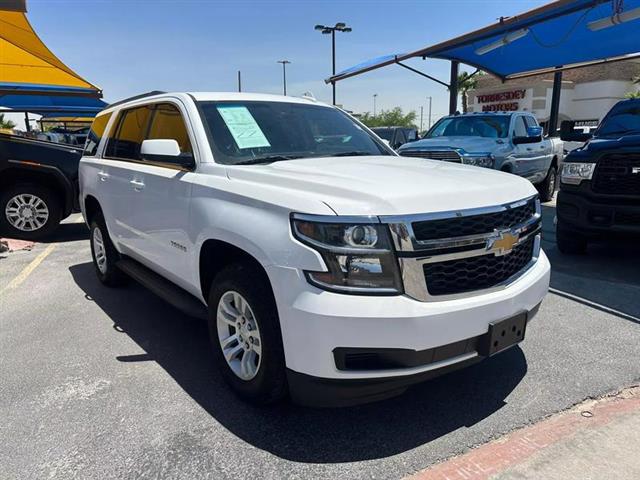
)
(328, 267)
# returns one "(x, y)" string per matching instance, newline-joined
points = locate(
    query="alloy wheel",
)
(99, 250)
(239, 335)
(27, 212)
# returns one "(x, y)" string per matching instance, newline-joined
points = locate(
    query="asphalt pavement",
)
(102, 383)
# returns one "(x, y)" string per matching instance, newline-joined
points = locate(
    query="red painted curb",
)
(517, 447)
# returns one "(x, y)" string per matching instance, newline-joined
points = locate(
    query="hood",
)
(466, 144)
(602, 143)
(386, 185)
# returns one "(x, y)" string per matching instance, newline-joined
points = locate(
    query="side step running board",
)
(168, 291)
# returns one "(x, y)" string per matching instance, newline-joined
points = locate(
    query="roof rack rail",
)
(136, 97)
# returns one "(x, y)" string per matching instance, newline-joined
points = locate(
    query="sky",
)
(134, 46)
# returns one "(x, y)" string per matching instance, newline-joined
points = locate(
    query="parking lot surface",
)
(101, 383)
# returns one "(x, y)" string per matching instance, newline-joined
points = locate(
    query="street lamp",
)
(326, 30)
(375, 95)
(284, 75)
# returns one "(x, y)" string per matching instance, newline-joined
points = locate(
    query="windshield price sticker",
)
(243, 127)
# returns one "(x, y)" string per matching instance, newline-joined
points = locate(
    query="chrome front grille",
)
(445, 155)
(461, 253)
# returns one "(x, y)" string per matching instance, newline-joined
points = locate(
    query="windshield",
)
(262, 132)
(621, 121)
(494, 126)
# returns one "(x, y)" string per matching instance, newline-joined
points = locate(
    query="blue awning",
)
(563, 34)
(58, 102)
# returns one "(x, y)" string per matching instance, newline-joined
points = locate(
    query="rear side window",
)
(531, 121)
(167, 123)
(131, 130)
(95, 134)
(520, 127)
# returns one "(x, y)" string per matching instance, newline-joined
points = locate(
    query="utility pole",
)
(325, 30)
(430, 99)
(421, 108)
(284, 75)
(239, 81)
(375, 95)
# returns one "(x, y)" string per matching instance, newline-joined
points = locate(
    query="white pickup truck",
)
(328, 267)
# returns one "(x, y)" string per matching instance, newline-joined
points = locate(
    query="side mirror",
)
(534, 135)
(165, 151)
(569, 134)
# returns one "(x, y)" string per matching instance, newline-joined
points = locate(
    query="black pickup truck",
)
(38, 185)
(599, 195)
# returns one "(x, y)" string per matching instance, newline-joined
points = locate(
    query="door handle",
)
(137, 185)
(103, 176)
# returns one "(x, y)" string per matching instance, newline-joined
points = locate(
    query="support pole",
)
(333, 63)
(453, 87)
(239, 81)
(552, 125)
(26, 121)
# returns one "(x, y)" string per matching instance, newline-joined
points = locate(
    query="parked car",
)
(507, 141)
(396, 136)
(38, 185)
(600, 183)
(335, 271)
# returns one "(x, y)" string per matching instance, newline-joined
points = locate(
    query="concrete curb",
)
(493, 459)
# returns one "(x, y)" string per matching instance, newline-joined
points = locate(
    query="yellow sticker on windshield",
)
(243, 127)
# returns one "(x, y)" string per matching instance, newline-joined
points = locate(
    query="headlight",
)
(485, 161)
(359, 256)
(575, 172)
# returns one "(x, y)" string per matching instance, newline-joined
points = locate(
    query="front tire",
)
(548, 186)
(570, 242)
(29, 211)
(104, 254)
(245, 334)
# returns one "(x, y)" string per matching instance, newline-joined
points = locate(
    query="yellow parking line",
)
(22, 276)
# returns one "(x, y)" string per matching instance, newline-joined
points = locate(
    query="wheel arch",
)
(216, 254)
(52, 179)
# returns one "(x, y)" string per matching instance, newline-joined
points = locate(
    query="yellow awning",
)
(24, 58)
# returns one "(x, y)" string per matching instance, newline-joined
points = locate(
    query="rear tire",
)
(104, 254)
(245, 334)
(547, 188)
(29, 211)
(570, 242)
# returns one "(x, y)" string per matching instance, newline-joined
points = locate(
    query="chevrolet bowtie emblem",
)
(502, 242)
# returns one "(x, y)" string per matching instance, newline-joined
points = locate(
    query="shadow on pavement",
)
(67, 232)
(426, 412)
(608, 275)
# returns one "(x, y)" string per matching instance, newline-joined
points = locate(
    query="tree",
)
(635, 94)
(466, 82)
(390, 118)
(6, 124)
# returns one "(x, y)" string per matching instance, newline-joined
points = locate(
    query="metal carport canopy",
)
(561, 34)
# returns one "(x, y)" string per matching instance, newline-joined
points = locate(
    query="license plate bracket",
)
(503, 334)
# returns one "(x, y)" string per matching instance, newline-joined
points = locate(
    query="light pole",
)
(375, 95)
(325, 30)
(430, 100)
(284, 75)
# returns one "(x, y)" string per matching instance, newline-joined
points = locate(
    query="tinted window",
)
(386, 133)
(412, 135)
(489, 126)
(253, 131)
(128, 137)
(520, 129)
(95, 134)
(167, 123)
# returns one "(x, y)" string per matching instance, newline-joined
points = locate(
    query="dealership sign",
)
(500, 102)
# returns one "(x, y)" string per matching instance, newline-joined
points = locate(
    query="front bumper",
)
(598, 216)
(316, 323)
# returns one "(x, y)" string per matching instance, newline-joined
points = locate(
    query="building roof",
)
(622, 71)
